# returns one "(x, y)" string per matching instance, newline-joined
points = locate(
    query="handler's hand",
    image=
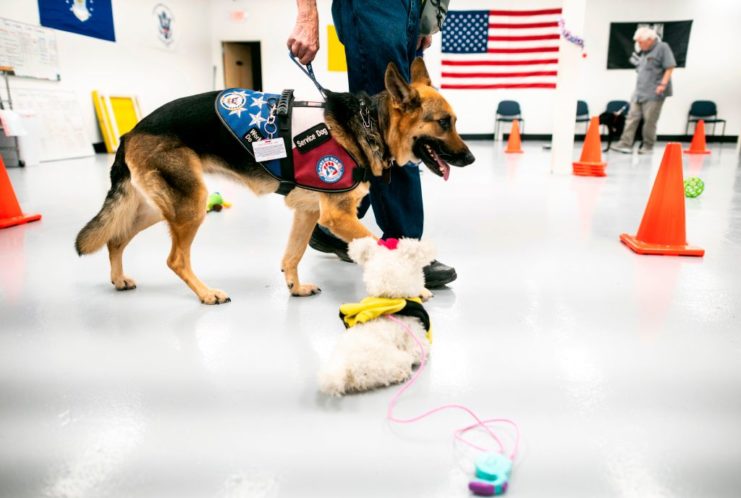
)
(304, 39)
(661, 88)
(424, 42)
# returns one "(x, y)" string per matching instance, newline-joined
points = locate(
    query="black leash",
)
(309, 71)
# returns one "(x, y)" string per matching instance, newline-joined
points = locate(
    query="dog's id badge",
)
(268, 149)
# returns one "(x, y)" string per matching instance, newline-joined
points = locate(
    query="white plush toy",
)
(376, 351)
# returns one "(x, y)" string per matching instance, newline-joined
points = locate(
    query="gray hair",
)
(645, 33)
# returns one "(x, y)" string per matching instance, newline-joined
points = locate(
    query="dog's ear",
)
(402, 95)
(360, 250)
(420, 252)
(419, 72)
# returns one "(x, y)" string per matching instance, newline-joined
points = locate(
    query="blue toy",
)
(492, 472)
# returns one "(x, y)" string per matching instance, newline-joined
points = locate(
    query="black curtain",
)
(675, 33)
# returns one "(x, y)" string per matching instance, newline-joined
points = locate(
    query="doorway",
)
(242, 65)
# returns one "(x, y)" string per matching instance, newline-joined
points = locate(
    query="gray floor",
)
(623, 371)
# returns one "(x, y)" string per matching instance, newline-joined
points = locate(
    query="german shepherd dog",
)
(157, 173)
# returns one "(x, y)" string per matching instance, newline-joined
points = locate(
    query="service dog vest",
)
(314, 160)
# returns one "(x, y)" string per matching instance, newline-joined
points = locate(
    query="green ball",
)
(693, 187)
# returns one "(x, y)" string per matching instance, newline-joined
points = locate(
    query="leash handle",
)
(309, 71)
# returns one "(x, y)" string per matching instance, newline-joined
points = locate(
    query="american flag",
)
(489, 49)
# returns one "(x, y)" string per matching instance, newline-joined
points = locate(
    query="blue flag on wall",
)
(85, 17)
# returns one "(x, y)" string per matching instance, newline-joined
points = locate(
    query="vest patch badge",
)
(234, 102)
(330, 169)
(253, 135)
(313, 137)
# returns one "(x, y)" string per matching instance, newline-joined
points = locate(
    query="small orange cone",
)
(590, 163)
(10, 211)
(662, 229)
(698, 140)
(514, 144)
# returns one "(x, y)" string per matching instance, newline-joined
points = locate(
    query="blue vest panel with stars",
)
(245, 113)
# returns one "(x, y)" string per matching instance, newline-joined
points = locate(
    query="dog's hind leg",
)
(303, 224)
(187, 216)
(144, 216)
(171, 177)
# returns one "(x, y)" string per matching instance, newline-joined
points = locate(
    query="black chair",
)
(508, 111)
(582, 113)
(708, 112)
(617, 106)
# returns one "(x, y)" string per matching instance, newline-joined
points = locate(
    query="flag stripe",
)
(507, 25)
(500, 75)
(524, 12)
(521, 50)
(496, 86)
(524, 38)
(528, 62)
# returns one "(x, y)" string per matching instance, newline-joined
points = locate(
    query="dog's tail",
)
(108, 223)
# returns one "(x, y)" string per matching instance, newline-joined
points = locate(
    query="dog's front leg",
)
(341, 218)
(303, 224)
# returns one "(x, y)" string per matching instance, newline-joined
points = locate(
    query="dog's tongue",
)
(445, 169)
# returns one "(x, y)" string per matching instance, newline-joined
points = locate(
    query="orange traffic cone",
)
(514, 144)
(590, 163)
(10, 211)
(662, 229)
(698, 140)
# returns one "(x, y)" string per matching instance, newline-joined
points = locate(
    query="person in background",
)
(654, 63)
(374, 34)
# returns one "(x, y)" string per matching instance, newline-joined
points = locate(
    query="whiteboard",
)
(30, 50)
(61, 125)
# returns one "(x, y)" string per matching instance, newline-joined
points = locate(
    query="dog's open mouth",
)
(428, 150)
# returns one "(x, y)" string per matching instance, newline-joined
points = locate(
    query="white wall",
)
(271, 23)
(133, 64)
(712, 71)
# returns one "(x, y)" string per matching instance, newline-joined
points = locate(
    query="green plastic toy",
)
(693, 187)
(216, 203)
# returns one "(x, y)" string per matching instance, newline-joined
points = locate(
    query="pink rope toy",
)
(458, 434)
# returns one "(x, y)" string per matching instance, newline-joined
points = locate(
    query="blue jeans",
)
(375, 33)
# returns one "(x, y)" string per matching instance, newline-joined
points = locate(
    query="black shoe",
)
(325, 242)
(438, 274)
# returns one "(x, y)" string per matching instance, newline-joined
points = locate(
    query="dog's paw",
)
(304, 290)
(426, 294)
(124, 283)
(215, 296)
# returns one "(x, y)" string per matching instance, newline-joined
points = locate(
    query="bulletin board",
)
(30, 50)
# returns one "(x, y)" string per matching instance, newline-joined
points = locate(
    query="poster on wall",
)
(336, 60)
(675, 33)
(164, 26)
(85, 17)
